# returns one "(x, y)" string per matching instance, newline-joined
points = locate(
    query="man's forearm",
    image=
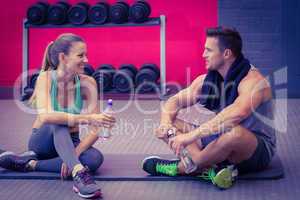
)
(169, 111)
(222, 122)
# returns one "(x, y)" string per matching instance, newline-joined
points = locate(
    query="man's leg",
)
(235, 146)
(194, 148)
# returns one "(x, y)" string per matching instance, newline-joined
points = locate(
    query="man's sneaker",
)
(157, 166)
(11, 161)
(223, 179)
(85, 185)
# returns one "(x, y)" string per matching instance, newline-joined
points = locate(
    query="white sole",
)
(28, 153)
(86, 196)
(7, 153)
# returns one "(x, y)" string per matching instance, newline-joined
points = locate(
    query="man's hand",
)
(161, 131)
(180, 141)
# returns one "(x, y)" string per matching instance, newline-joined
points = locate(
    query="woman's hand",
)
(102, 119)
(179, 142)
(64, 171)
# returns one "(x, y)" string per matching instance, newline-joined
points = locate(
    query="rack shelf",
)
(159, 21)
(150, 22)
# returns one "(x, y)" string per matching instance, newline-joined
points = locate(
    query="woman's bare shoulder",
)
(86, 79)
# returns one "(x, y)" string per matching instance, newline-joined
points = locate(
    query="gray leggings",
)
(54, 145)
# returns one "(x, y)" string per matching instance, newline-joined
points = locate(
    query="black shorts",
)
(259, 160)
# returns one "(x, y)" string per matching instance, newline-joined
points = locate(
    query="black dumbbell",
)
(124, 78)
(88, 69)
(119, 12)
(104, 77)
(58, 13)
(33, 79)
(99, 13)
(139, 11)
(37, 13)
(28, 91)
(147, 77)
(170, 90)
(78, 14)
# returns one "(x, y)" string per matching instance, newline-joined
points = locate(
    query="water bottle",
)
(105, 133)
(185, 157)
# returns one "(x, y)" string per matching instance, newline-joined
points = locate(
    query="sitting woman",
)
(58, 95)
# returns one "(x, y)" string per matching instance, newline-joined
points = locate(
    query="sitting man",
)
(241, 98)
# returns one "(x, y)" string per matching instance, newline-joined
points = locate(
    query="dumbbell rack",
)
(158, 21)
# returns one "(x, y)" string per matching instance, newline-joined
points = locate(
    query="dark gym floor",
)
(133, 135)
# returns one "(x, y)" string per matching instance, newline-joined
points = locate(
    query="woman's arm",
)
(89, 90)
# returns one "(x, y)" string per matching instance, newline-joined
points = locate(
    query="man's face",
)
(214, 58)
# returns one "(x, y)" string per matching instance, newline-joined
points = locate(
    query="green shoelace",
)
(223, 179)
(167, 169)
(208, 175)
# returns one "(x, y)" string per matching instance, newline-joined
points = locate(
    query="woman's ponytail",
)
(46, 64)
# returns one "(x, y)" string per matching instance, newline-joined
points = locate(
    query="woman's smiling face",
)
(76, 58)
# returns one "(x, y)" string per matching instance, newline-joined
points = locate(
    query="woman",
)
(58, 95)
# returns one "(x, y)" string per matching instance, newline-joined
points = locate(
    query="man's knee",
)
(229, 140)
(92, 158)
(238, 140)
(235, 135)
(239, 135)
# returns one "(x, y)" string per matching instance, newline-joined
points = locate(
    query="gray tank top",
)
(261, 123)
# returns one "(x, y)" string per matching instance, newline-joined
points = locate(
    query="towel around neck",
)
(216, 92)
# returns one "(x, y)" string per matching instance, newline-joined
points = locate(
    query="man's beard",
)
(217, 66)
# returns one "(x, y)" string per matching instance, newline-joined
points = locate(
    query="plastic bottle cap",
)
(110, 102)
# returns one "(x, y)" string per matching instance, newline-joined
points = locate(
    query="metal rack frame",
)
(161, 21)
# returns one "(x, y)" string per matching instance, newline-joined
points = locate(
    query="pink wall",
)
(185, 35)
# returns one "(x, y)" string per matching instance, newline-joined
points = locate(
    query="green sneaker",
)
(223, 179)
(157, 166)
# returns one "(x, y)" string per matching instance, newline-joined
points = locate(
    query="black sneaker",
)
(11, 161)
(157, 166)
(85, 185)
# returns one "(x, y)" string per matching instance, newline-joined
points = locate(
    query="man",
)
(238, 93)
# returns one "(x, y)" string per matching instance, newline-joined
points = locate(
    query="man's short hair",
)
(228, 38)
